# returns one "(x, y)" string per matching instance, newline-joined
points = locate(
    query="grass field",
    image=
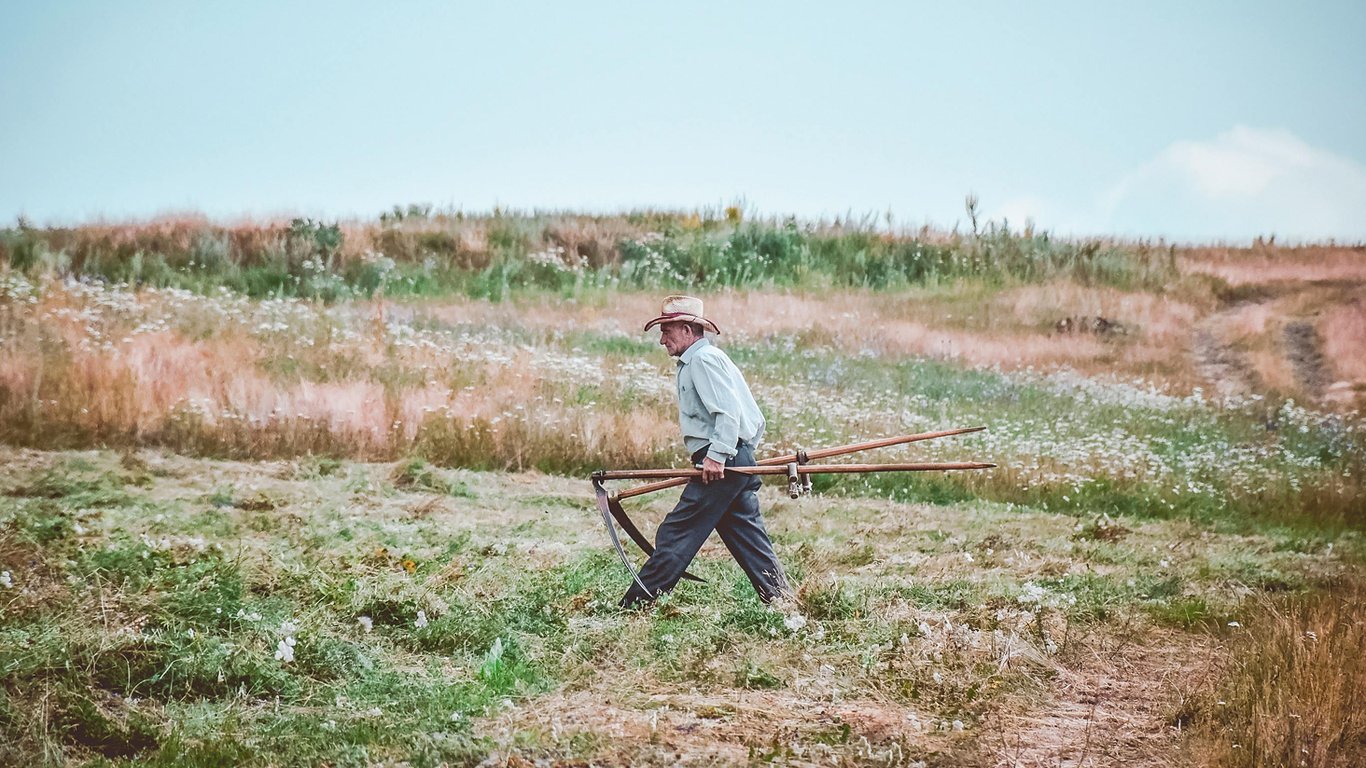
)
(299, 494)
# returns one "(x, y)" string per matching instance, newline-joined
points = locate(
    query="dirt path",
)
(1292, 337)
(1304, 350)
(1222, 365)
(1112, 706)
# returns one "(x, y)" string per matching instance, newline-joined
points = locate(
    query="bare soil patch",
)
(726, 727)
(1111, 705)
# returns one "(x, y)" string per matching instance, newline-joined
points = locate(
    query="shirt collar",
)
(692, 351)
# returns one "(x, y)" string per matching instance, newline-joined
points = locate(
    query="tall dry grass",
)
(1010, 329)
(1259, 265)
(80, 369)
(1343, 329)
(1291, 688)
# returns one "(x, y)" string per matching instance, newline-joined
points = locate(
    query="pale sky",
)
(1222, 121)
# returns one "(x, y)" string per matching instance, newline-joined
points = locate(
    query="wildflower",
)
(5, 580)
(421, 619)
(958, 725)
(794, 622)
(365, 623)
(189, 633)
(284, 652)
(1234, 624)
(1033, 593)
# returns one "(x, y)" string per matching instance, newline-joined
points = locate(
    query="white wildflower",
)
(284, 652)
(366, 623)
(1033, 593)
(794, 622)
(421, 619)
(6, 580)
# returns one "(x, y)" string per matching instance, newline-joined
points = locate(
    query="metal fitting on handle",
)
(794, 481)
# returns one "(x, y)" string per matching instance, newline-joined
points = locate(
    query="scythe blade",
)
(611, 510)
(604, 506)
(628, 525)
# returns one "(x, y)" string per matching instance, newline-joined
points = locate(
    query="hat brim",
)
(680, 317)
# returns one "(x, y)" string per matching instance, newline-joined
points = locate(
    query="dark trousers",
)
(729, 506)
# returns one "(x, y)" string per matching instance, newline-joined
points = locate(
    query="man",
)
(721, 426)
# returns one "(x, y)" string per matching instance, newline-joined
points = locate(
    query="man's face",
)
(676, 338)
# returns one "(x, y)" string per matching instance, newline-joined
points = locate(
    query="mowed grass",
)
(166, 610)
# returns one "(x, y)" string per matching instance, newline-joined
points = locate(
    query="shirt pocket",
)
(688, 402)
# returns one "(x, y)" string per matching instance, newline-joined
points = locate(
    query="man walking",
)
(721, 427)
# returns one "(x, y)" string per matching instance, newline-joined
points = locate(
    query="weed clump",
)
(415, 474)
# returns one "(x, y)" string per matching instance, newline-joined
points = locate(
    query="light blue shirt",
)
(715, 406)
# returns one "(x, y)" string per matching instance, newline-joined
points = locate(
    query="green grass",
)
(495, 257)
(151, 595)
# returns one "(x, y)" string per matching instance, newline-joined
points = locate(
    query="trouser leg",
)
(742, 531)
(682, 534)
(729, 506)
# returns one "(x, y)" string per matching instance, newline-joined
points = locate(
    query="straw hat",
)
(682, 309)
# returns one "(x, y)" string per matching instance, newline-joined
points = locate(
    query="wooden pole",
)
(816, 455)
(802, 469)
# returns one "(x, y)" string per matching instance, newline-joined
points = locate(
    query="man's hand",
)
(712, 470)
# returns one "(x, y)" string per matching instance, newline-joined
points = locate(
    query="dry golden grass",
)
(1256, 266)
(380, 394)
(1011, 329)
(1292, 689)
(1343, 329)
